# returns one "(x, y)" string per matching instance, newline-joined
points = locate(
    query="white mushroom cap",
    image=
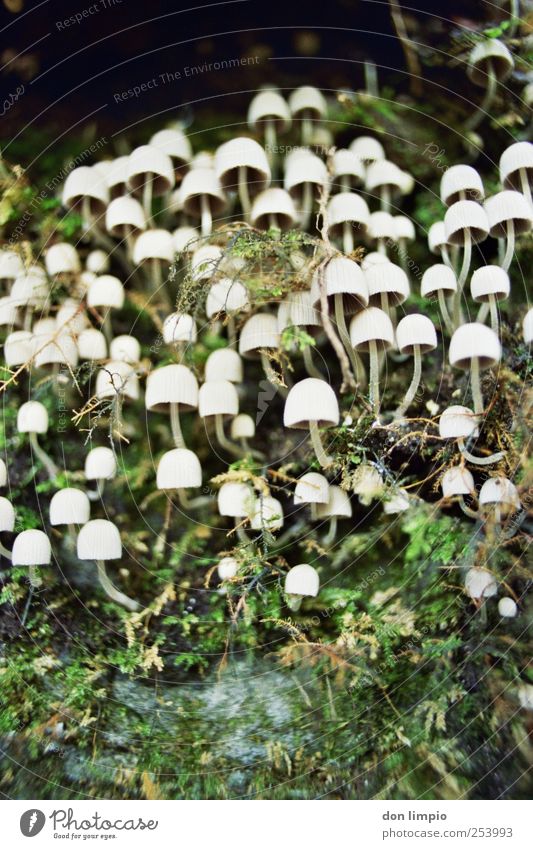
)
(525, 695)
(260, 331)
(347, 207)
(227, 568)
(44, 327)
(117, 377)
(150, 163)
(7, 515)
(311, 400)
(99, 539)
(437, 237)
(3, 473)
(490, 280)
(18, 348)
(307, 168)
(345, 163)
(106, 291)
(31, 548)
(218, 398)
(457, 481)
(153, 244)
(381, 226)
(383, 174)
(492, 51)
(86, 182)
(311, 488)
(61, 348)
(92, 345)
(172, 384)
(8, 312)
(235, 499)
(415, 329)
(367, 149)
(276, 202)
(462, 216)
(527, 327)
(457, 422)
(508, 206)
(100, 464)
(480, 584)
(71, 316)
(226, 296)
(302, 580)
(406, 182)
(507, 608)
(398, 502)
(301, 312)
(269, 104)
(179, 327)
(31, 288)
(371, 325)
(307, 100)
(179, 469)
(11, 265)
(267, 514)
(205, 262)
(117, 175)
(338, 504)
(70, 507)
(461, 178)
(474, 341)
(224, 364)
(242, 153)
(342, 276)
(62, 258)
(97, 261)
(405, 229)
(501, 491)
(124, 214)
(436, 278)
(175, 144)
(126, 348)
(203, 159)
(242, 427)
(390, 279)
(373, 258)
(32, 417)
(517, 157)
(202, 182)
(185, 239)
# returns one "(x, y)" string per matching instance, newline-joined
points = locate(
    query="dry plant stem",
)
(244, 194)
(41, 455)
(374, 376)
(409, 49)
(310, 367)
(510, 243)
(5, 552)
(175, 425)
(347, 238)
(148, 190)
(318, 448)
(465, 268)
(475, 386)
(271, 377)
(222, 439)
(355, 359)
(111, 591)
(332, 532)
(206, 217)
(490, 93)
(448, 323)
(479, 461)
(466, 509)
(413, 387)
(524, 185)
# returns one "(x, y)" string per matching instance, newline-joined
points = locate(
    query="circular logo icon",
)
(32, 822)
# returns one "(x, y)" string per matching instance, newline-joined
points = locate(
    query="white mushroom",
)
(237, 501)
(489, 285)
(371, 330)
(100, 466)
(99, 540)
(460, 423)
(507, 608)
(338, 506)
(301, 582)
(476, 347)
(440, 281)
(169, 389)
(312, 404)
(267, 514)
(480, 584)
(241, 164)
(70, 507)
(415, 335)
(32, 548)
(218, 399)
(7, 523)
(32, 418)
(509, 214)
(516, 168)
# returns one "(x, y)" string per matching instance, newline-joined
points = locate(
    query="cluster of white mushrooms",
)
(356, 312)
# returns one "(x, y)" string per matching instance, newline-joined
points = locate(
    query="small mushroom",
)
(3, 473)
(489, 285)
(11, 266)
(338, 506)
(381, 229)
(388, 286)
(438, 243)
(227, 568)
(124, 219)
(242, 429)
(269, 114)
(18, 348)
(507, 608)
(489, 62)
(227, 297)
(154, 250)
(347, 212)
(301, 582)
(106, 291)
(62, 262)
(457, 481)
(117, 381)
(461, 182)
(259, 335)
(273, 209)
(237, 501)
(125, 348)
(516, 168)
(371, 330)
(465, 224)
(348, 172)
(32, 418)
(218, 400)
(70, 507)
(480, 584)
(150, 173)
(527, 327)
(498, 497)
(100, 466)
(185, 239)
(415, 335)
(312, 488)
(312, 404)
(224, 364)
(175, 144)
(460, 423)
(367, 484)
(7, 523)
(367, 149)
(99, 540)
(307, 105)
(85, 190)
(509, 214)
(97, 262)
(267, 514)
(169, 389)
(476, 347)
(385, 178)
(202, 197)
(298, 311)
(180, 470)
(305, 177)
(179, 330)
(439, 281)
(32, 548)
(241, 164)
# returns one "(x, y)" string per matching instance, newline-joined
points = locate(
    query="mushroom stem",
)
(307, 129)
(271, 142)
(307, 204)
(5, 552)
(112, 591)
(271, 377)
(479, 461)
(28, 315)
(41, 455)
(310, 367)
(466, 509)
(175, 425)
(148, 190)
(332, 531)
(244, 194)
(385, 198)
(71, 536)
(413, 387)
(207, 219)
(374, 376)
(384, 302)
(494, 318)
(294, 602)
(232, 335)
(446, 256)
(192, 503)
(465, 268)
(107, 329)
(514, 17)
(475, 386)
(34, 577)
(223, 440)
(524, 185)
(448, 323)
(242, 535)
(347, 238)
(86, 214)
(509, 249)
(355, 359)
(273, 221)
(382, 247)
(345, 185)
(318, 448)
(486, 103)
